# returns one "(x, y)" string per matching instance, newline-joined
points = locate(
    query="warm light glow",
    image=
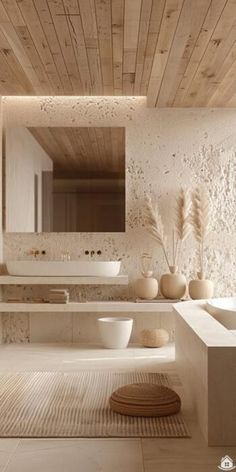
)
(77, 97)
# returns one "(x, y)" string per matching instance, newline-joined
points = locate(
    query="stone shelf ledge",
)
(65, 280)
(99, 307)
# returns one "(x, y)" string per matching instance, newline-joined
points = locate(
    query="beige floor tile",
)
(151, 365)
(167, 351)
(4, 460)
(28, 363)
(191, 454)
(183, 466)
(157, 359)
(97, 364)
(8, 444)
(94, 358)
(77, 456)
(96, 352)
(7, 449)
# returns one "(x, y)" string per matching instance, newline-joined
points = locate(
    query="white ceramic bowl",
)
(115, 332)
(64, 268)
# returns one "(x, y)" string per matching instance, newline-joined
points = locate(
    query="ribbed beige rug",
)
(54, 404)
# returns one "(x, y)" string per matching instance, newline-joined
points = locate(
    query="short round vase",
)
(201, 288)
(173, 285)
(146, 288)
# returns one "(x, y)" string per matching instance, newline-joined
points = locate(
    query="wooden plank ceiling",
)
(178, 53)
(84, 152)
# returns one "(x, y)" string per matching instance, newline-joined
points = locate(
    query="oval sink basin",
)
(64, 268)
(223, 310)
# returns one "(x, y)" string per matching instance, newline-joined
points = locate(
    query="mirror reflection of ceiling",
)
(84, 152)
(179, 53)
(74, 179)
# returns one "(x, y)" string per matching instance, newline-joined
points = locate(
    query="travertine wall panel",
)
(165, 148)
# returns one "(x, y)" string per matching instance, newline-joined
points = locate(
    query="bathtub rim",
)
(210, 331)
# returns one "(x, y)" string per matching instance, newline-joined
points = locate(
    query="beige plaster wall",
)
(1, 238)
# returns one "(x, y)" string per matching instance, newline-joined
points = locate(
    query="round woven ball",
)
(154, 337)
(145, 399)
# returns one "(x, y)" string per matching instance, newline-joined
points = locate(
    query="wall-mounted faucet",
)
(92, 252)
(36, 253)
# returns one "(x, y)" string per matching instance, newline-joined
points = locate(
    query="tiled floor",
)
(103, 455)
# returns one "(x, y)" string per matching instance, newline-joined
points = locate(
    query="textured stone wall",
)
(1, 238)
(165, 148)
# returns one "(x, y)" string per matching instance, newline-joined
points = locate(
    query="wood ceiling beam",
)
(131, 34)
(189, 25)
(217, 49)
(167, 31)
(117, 44)
(214, 12)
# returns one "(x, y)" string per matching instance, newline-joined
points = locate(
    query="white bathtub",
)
(224, 311)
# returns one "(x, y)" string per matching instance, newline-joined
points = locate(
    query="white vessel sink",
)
(223, 310)
(64, 268)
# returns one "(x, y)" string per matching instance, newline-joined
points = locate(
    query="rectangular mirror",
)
(64, 179)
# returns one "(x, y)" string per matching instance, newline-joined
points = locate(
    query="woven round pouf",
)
(145, 399)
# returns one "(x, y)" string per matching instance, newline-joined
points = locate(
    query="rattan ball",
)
(154, 337)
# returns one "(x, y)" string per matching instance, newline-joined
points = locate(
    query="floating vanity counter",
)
(206, 361)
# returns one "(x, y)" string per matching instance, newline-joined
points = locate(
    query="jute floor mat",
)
(56, 404)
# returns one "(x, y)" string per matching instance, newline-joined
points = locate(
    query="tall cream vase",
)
(173, 285)
(201, 288)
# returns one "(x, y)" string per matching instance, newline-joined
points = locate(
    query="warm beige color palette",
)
(53, 404)
(175, 52)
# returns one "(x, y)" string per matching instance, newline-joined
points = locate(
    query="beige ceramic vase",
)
(173, 285)
(146, 287)
(201, 288)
